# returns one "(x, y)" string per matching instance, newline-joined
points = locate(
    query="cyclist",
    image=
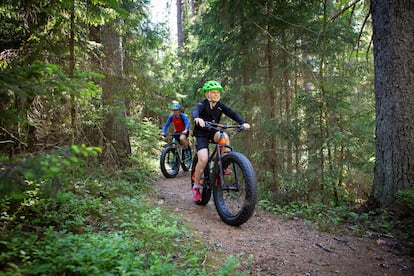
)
(181, 125)
(209, 109)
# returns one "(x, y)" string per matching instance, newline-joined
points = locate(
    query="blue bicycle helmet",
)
(176, 106)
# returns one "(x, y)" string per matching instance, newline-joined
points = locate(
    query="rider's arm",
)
(167, 124)
(232, 114)
(186, 121)
(197, 109)
(196, 114)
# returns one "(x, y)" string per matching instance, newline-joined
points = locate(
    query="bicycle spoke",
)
(233, 191)
(169, 163)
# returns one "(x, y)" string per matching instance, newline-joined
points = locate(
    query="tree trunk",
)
(286, 89)
(192, 7)
(180, 24)
(117, 147)
(393, 37)
(73, 108)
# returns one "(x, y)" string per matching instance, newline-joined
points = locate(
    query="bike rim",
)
(171, 163)
(232, 192)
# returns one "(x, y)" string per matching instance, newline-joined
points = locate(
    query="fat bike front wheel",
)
(169, 162)
(235, 193)
(186, 163)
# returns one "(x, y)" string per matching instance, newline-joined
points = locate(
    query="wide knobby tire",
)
(169, 162)
(236, 198)
(206, 190)
(186, 164)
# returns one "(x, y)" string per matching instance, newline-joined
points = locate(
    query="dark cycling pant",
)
(203, 141)
(177, 136)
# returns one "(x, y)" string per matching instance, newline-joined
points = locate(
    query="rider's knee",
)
(203, 160)
(202, 156)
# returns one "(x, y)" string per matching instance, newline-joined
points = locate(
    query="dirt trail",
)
(283, 247)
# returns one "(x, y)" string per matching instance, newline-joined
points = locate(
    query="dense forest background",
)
(94, 81)
(301, 72)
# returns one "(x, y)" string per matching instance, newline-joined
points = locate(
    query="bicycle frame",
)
(220, 147)
(230, 177)
(174, 153)
(175, 143)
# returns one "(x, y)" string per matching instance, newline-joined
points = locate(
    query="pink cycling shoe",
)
(196, 194)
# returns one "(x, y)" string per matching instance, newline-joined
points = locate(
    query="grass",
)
(69, 216)
(98, 223)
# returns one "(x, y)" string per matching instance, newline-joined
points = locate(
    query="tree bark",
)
(393, 37)
(273, 158)
(180, 24)
(117, 147)
(287, 94)
(73, 109)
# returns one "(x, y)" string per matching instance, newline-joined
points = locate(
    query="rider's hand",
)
(200, 122)
(184, 131)
(246, 126)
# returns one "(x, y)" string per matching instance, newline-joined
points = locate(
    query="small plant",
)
(330, 218)
(404, 200)
(102, 224)
(71, 217)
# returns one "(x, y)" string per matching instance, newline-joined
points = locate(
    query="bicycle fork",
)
(219, 164)
(219, 176)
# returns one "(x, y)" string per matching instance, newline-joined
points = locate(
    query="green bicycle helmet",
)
(212, 85)
(176, 106)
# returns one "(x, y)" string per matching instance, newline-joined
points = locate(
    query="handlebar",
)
(219, 127)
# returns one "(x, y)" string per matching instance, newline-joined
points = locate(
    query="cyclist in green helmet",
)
(209, 109)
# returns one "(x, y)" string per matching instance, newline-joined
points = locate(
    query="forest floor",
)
(272, 245)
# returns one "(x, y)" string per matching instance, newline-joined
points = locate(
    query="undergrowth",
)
(79, 219)
(394, 221)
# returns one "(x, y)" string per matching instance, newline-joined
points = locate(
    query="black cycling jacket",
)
(203, 110)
